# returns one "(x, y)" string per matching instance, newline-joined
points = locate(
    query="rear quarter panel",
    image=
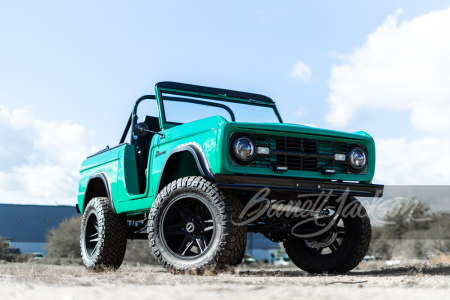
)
(107, 162)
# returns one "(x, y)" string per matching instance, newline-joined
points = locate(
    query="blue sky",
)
(81, 65)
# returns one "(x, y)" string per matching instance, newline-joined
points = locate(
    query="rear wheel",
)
(103, 239)
(192, 227)
(338, 250)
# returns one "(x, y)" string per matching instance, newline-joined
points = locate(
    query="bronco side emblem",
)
(159, 153)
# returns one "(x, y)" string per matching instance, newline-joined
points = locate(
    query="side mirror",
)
(141, 129)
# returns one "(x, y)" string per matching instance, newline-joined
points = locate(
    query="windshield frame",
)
(219, 97)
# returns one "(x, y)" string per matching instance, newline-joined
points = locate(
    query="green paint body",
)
(212, 135)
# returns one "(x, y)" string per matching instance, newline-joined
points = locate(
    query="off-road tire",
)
(349, 254)
(241, 256)
(112, 236)
(241, 236)
(230, 239)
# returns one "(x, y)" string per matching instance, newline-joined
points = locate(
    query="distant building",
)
(261, 247)
(25, 226)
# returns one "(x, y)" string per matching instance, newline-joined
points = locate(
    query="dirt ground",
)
(31, 281)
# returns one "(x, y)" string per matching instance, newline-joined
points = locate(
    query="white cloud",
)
(301, 71)
(420, 162)
(40, 159)
(400, 67)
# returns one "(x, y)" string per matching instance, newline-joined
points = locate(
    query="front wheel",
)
(338, 250)
(192, 226)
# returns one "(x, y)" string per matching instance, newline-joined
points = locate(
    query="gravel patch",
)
(30, 281)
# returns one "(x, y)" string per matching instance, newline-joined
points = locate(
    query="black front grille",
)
(300, 154)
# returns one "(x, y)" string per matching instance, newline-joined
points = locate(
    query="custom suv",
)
(203, 166)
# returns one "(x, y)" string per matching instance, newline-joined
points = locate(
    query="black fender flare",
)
(200, 160)
(103, 177)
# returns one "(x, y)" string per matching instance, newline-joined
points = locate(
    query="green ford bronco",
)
(203, 166)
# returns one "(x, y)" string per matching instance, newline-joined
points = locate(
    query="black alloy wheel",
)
(337, 250)
(188, 226)
(193, 226)
(327, 242)
(91, 235)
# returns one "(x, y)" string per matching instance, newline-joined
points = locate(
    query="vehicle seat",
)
(152, 123)
(143, 149)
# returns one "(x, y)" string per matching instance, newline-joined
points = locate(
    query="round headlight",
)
(243, 149)
(357, 159)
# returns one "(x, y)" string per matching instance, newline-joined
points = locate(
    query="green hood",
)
(305, 130)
